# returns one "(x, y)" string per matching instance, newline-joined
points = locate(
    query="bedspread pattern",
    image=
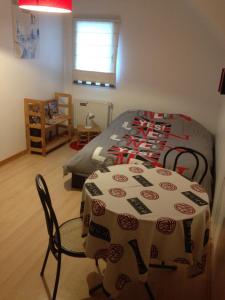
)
(144, 137)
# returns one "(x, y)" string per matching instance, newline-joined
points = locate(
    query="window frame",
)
(95, 78)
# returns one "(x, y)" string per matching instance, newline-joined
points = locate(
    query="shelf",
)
(57, 142)
(47, 126)
(34, 114)
(94, 129)
(32, 149)
(58, 121)
(35, 139)
(43, 133)
(33, 125)
(62, 105)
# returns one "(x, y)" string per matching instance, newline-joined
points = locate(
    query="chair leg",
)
(148, 289)
(96, 263)
(45, 261)
(95, 288)
(57, 276)
(97, 266)
(163, 266)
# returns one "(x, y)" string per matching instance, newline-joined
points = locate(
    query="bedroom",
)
(170, 60)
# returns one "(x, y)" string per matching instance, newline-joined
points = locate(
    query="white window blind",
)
(95, 51)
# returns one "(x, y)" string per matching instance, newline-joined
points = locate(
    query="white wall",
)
(213, 13)
(20, 78)
(219, 208)
(169, 60)
(218, 216)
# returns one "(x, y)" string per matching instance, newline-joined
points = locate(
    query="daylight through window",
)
(95, 52)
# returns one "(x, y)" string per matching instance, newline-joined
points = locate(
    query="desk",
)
(132, 213)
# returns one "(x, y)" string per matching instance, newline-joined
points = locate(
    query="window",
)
(95, 52)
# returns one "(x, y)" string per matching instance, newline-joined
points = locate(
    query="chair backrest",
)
(50, 216)
(196, 154)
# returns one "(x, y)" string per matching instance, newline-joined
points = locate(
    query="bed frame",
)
(78, 181)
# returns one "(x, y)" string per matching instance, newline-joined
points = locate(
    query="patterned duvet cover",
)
(143, 137)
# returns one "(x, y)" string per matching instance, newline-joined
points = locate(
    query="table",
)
(85, 135)
(132, 213)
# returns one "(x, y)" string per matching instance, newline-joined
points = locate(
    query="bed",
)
(143, 137)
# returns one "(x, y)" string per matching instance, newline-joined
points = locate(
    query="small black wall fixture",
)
(221, 89)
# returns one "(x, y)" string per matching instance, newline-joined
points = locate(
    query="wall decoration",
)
(26, 32)
(221, 88)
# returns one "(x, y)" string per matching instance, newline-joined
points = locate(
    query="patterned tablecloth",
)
(132, 214)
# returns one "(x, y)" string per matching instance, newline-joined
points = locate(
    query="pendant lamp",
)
(54, 6)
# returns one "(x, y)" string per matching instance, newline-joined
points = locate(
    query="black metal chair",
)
(181, 151)
(64, 239)
(196, 154)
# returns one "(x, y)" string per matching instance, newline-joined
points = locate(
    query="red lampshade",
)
(57, 6)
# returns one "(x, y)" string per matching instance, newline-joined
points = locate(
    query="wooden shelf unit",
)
(48, 123)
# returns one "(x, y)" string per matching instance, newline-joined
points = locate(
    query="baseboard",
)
(13, 157)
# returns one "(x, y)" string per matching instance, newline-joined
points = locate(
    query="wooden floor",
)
(23, 241)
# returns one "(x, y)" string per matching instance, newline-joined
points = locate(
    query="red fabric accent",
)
(76, 146)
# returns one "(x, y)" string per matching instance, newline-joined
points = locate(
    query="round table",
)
(132, 213)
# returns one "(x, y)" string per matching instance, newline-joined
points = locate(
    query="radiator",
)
(101, 109)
